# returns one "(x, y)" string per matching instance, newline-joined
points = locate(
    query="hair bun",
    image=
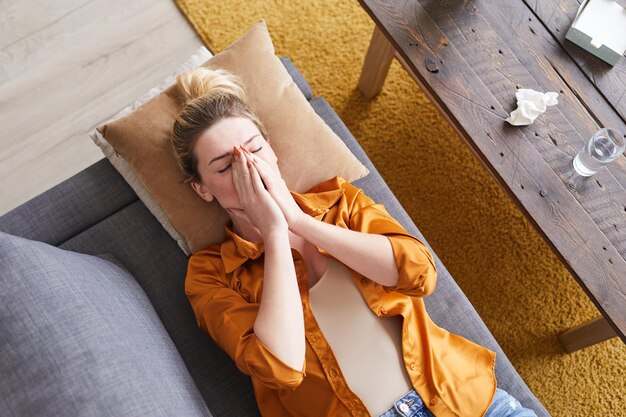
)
(203, 81)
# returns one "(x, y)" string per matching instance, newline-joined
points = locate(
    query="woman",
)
(317, 296)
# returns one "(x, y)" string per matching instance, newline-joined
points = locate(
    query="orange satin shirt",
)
(454, 376)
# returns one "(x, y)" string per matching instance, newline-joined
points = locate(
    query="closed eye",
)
(228, 166)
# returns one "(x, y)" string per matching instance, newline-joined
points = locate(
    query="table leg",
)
(589, 333)
(376, 65)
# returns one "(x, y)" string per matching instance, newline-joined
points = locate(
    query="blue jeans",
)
(503, 405)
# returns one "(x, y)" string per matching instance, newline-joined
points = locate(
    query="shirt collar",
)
(235, 250)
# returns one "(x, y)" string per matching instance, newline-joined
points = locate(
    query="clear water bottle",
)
(605, 146)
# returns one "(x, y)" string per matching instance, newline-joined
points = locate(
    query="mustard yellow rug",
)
(517, 285)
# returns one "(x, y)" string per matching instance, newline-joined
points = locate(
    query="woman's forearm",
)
(280, 323)
(370, 255)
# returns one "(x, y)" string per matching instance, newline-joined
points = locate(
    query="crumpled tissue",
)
(530, 104)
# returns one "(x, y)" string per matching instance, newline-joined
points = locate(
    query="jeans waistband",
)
(409, 405)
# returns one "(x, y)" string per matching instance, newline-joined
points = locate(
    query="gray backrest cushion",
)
(80, 338)
(70, 207)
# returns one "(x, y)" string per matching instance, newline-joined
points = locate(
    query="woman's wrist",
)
(297, 220)
(275, 233)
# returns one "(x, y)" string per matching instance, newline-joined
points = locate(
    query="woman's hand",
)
(278, 190)
(259, 206)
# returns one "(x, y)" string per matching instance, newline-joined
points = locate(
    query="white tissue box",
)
(600, 28)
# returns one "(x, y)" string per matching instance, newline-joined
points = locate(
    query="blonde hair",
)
(209, 96)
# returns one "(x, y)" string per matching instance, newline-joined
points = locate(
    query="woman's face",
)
(214, 150)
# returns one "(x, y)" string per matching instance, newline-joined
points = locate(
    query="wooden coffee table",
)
(469, 57)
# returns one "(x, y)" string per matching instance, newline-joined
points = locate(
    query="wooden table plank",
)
(513, 155)
(557, 17)
(543, 51)
(487, 51)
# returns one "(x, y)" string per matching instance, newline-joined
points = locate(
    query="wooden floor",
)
(67, 66)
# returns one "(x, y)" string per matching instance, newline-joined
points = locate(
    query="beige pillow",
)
(308, 151)
(198, 58)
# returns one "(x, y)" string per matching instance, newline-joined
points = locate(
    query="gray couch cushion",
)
(80, 338)
(137, 239)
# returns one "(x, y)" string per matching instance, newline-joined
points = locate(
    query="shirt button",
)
(383, 311)
(413, 367)
(364, 281)
(433, 401)
(333, 372)
(404, 408)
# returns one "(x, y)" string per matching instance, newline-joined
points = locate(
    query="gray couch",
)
(94, 320)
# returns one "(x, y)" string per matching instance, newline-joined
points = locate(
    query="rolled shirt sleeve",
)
(229, 319)
(417, 274)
